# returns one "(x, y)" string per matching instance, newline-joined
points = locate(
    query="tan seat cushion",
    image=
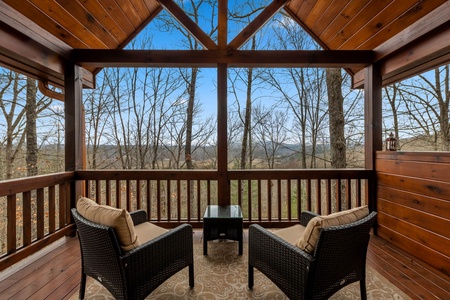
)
(119, 219)
(310, 237)
(290, 234)
(147, 231)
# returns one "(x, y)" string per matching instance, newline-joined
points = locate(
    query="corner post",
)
(373, 126)
(74, 132)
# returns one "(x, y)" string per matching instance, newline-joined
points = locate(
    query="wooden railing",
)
(274, 197)
(35, 211)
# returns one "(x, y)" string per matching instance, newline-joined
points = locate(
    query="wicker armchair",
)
(338, 260)
(136, 273)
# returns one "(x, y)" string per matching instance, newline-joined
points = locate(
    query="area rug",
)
(222, 274)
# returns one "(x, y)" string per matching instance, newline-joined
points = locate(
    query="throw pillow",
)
(119, 219)
(311, 234)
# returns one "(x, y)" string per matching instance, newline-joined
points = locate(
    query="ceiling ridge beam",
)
(256, 24)
(210, 58)
(188, 24)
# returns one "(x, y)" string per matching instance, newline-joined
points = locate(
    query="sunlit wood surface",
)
(56, 274)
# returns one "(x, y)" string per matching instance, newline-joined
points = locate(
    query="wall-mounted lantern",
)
(391, 143)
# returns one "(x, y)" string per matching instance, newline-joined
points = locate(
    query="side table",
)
(222, 222)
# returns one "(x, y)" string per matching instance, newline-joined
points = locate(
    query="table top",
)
(223, 211)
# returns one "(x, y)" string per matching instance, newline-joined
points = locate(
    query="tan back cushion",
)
(311, 234)
(119, 219)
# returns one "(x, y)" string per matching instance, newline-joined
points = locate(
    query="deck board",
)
(56, 275)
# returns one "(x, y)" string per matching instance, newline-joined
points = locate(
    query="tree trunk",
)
(190, 118)
(337, 121)
(31, 116)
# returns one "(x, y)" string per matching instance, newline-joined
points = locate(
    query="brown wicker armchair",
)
(338, 259)
(136, 273)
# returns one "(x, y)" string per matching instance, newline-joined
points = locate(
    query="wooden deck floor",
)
(56, 274)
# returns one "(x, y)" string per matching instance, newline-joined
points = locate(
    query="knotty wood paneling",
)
(413, 202)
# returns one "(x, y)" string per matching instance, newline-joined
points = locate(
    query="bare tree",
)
(427, 100)
(271, 133)
(31, 134)
(13, 110)
(336, 118)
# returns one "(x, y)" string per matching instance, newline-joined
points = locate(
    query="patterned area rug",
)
(222, 274)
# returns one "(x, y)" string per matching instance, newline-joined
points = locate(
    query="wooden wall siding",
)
(413, 202)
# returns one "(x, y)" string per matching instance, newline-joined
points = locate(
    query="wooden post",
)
(222, 135)
(74, 132)
(373, 126)
(223, 188)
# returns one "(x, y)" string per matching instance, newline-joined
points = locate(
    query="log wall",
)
(413, 203)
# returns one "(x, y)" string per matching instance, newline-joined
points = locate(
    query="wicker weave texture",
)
(339, 259)
(136, 273)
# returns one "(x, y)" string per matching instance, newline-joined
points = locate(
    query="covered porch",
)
(409, 190)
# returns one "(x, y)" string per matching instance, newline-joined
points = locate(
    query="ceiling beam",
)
(210, 58)
(256, 24)
(420, 56)
(418, 48)
(188, 24)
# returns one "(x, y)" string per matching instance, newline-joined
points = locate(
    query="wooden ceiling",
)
(63, 25)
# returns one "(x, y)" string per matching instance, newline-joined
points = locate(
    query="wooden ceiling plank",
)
(116, 13)
(108, 22)
(31, 12)
(129, 10)
(409, 18)
(305, 9)
(89, 21)
(363, 16)
(28, 28)
(316, 13)
(328, 16)
(437, 18)
(419, 56)
(141, 8)
(210, 58)
(256, 24)
(63, 19)
(388, 16)
(347, 14)
(188, 24)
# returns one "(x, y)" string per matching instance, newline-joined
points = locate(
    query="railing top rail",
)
(15, 186)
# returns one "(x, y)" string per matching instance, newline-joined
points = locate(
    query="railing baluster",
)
(329, 208)
(118, 194)
(168, 199)
(40, 213)
(138, 194)
(26, 218)
(188, 192)
(288, 200)
(249, 201)
(51, 209)
(198, 200)
(108, 192)
(158, 200)
(280, 211)
(318, 196)
(259, 200)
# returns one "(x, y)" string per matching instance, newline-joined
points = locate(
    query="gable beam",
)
(256, 24)
(188, 24)
(210, 58)
(420, 47)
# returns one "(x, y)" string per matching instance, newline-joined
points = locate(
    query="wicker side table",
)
(222, 222)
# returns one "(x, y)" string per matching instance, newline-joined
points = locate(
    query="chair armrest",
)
(283, 263)
(138, 216)
(306, 216)
(169, 251)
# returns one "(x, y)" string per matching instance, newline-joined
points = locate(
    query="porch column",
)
(74, 131)
(373, 125)
(223, 186)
